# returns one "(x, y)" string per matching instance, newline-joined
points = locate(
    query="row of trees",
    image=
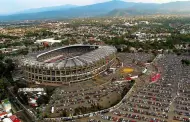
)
(3, 86)
(8, 36)
(179, 38)
(169, 43)
(185, 62)
(39, 33)
(144, 45)
(17, 43)
(6, 68)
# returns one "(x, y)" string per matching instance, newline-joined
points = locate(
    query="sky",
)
(13, 6)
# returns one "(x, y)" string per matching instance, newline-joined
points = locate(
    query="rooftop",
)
(76, 61)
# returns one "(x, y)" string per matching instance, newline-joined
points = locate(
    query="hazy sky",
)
(11, 6)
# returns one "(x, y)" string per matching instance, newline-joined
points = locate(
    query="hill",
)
(111, 8)
(82, 11)
(176, 6)
(179, 7)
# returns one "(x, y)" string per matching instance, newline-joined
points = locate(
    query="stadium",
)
(68, 64)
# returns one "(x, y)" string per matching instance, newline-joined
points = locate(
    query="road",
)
(23, 111)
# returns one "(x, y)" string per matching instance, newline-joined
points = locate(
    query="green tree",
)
(186, 62)
(2, 68)
(42, 100)
(3, 86)
(6, 68)
(10, 66)
(1, 56)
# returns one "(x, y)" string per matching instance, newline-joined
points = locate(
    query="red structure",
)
(14, 118)
(45, 44)
(128, 79)
(155, 77)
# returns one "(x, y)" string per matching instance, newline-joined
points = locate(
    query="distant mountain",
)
(52, 8)
(176, 6)
(81, 11)
(145, 6)
(131, 12)
(179, 7)
(111, 8)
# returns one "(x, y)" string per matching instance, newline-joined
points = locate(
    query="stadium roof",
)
(76, 61)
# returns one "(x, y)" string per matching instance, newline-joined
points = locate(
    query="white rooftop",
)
(50, 40)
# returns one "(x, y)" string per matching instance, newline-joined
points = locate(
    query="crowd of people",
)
(65, 53)
(130, 57)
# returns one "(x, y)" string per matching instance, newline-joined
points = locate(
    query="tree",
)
(131, 83)
(24, 52)
(1, 56)
(186, 62)
(56, 44)
(28, 42)
(10, 66)
(3, 86)
(64, 113)
(2, 68)
(42, 100)
(6, 68)
(23, 98)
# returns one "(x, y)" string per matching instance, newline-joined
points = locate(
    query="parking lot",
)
(165, 101)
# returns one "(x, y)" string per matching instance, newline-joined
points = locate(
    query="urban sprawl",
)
(114, 69)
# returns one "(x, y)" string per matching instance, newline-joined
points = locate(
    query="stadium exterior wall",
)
(33, 73)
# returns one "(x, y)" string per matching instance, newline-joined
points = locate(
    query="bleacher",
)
(64, 53)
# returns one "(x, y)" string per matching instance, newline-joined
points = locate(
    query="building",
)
(68, 64)
(32, 95)
(7, 105)
(49, 41)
